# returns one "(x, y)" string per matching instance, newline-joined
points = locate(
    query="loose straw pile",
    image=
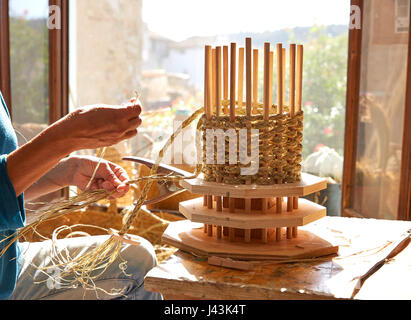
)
(85, 269)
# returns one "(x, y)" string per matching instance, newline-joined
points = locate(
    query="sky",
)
(180, 19)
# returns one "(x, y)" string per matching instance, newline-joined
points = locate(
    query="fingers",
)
(133, 109)
(112, 179)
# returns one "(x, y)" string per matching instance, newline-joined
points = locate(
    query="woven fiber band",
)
(278, 155)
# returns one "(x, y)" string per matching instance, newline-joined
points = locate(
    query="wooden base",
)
(308, 184)
(306, 213)
(190, 237)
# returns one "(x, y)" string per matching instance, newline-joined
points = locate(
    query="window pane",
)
(29, 66)
(157, 48)
(383, 80)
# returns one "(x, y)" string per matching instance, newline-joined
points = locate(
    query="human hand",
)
(98, 126)
(109, 176)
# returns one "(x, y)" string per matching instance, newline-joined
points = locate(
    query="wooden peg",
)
(225, 75)
(266, 81)
(295, 232)
(278, 234)
(290, 204)
(280, 100)
(214, 81)
(218, 81)
(292, 79)
(240, 90)
(284, 61)
(299, 80)
(248, 76)
(233, 80)
(289, 233)
(255, 80)
(210, 230)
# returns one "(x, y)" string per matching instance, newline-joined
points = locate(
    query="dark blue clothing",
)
(12, 214)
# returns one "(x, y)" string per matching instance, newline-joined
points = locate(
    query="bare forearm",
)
(32, 161)
(54, 180)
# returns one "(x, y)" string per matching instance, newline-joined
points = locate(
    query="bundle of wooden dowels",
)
(224, 96)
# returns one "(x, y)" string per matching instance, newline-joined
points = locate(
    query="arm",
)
(77, 171)
(87, 128)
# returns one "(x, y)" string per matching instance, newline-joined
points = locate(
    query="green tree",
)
(324, 90)
(29, 69)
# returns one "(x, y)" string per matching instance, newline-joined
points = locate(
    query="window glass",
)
(382, 94)
(29, 66)
(157, 48)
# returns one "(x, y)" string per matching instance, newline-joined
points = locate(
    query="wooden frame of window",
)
(58, 65)
(404, 204)
(5, 85)
(352, 126)
(58, 61)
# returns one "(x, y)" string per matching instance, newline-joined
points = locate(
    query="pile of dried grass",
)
(96, 221)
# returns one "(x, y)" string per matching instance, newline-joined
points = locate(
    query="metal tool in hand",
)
(166, 189)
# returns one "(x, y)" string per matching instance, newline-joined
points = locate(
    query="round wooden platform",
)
(308, 185)
(306, 213)
(189, 236)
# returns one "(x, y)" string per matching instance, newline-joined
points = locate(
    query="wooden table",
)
(363, 242)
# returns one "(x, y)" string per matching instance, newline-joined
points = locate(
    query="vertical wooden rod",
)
(240, 93)
(233, 80)
(218, 111)
(213, 81)
(248, 76)
(248, 102)
(284, 61)
(299, 80)
(225, 75)
(266, 81)
(280, 100)
(255, 80)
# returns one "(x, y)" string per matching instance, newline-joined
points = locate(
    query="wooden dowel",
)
(255, 80)
(299, 81)
(264, 235)
(284, 62)
(233, 80)
(210, 206)
(278, 233)
(218, 81)
(225, 76)
(247, 235)
(280, 100)
(299, 90)
(208, 81)
(210, 202)
(292, 96)
(240, 91)
(219, 204)
(289, 233)
(210, 230)
(214, 80)
(206, 76)
(270, 76)
(295, 203)
(292, 79)
(290, 204)
(248, 76)
(249, 97)
(295, 232)
(266, 81)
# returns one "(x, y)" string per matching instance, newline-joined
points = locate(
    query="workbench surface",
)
(362, 243)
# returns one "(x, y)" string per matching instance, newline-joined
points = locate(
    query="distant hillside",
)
(300, 34)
